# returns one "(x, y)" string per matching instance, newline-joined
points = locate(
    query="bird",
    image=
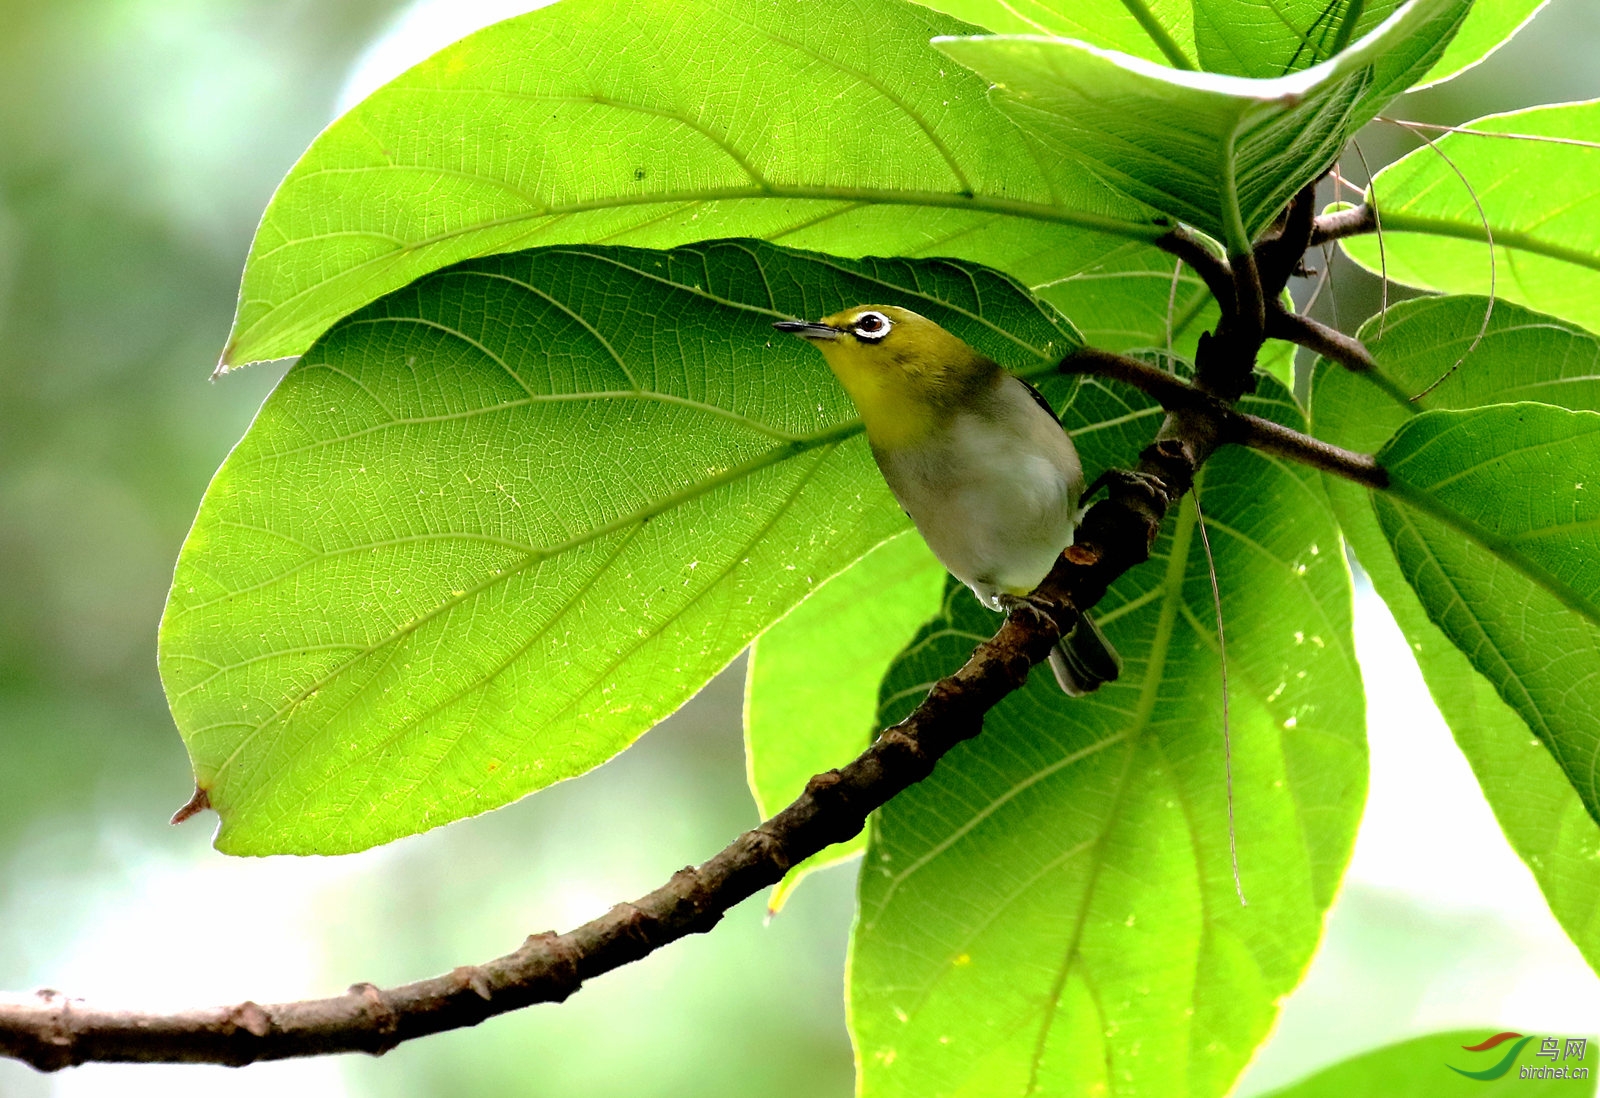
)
(974, 455)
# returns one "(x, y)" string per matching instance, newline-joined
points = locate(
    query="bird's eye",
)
(872, 327)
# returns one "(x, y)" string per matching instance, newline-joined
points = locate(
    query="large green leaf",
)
(1128, 298)
(497, 524)
(1491, 518)
(1541, 200)
(1421, 1068)
(1242, 37)
(1221, 153)
(1489, 26)
(1054, 907)
(811, 693)
(648, 122)
(1250, 38)
(1522, 356)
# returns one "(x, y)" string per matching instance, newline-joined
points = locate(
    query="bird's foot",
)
(1148, 485)
(1032, 607)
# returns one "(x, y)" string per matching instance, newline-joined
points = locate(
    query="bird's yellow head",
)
(904, 372)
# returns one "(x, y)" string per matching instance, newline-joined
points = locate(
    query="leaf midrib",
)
(1149, 695)
(1399, 221)
(1158, 34)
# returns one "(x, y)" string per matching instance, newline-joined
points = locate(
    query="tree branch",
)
(1212, 269)
(1233, 427)
(1279, 256)
(1250, 320)
(1349, 222)
(1275, 438)
(1325, 341)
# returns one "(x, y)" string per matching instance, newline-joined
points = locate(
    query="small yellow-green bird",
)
(974, 455)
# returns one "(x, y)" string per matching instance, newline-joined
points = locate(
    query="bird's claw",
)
(1148, 485)
(1032, 607)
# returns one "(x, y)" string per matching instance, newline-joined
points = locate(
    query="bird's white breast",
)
(996, 494)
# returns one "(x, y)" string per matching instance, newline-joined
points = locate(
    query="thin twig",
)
(1330, 253)
(1339, 180)
(1285, 442)
(1172, 301)
(1322, 280)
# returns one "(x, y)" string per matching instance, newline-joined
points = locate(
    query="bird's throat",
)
(894, 419)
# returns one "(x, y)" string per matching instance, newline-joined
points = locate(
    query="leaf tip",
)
(225, 361)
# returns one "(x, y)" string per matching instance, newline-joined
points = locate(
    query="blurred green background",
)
(139, 142)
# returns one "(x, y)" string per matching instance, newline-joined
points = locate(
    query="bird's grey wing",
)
(1038, 398)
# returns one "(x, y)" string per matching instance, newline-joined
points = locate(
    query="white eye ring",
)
(871, 327)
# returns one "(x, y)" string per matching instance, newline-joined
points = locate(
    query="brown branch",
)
(1250, 320)
(1169, 390)
(1212, 269)
(1285, 442)
(1233, 427)
(1278, 257)
(1350, 222)
(1325, 341)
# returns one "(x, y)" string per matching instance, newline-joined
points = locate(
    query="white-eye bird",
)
(974, 455)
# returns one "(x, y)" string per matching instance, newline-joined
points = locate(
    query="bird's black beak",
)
(805, 329)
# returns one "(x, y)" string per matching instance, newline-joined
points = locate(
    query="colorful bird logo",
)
(1506, 1061)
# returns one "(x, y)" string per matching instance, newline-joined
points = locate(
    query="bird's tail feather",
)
(1083, 659)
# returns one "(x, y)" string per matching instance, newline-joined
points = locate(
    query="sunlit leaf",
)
(1053, 910)
(499, 523)
(811, 695)
(1488, 27)
(1541, 199)
(1264, 40)
(1239, 37)
(1492, 519)
(646, 122)
(1522, 356)
(1220, 153)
